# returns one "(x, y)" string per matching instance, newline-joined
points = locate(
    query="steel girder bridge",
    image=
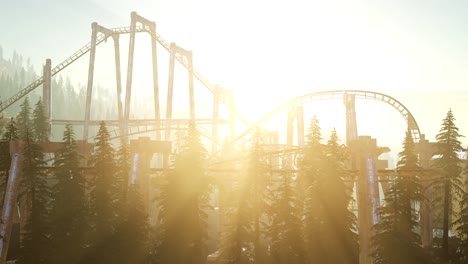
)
(367, 180)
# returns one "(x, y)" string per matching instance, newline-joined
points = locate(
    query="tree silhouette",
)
(335, 197)
(462, 224)
(185, 204)
(449, 184)
(69, 221)
(285, 230)
(242, 240)
(35, 196)
(133, 233)
(395, 239)
(41, 127)
(23, 120)
(312, 167)
(11, 134)
(330, 227)
(102, 210)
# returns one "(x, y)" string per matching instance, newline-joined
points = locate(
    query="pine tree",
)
(330, 227)
(186, 204)
(312, 155)
(5, 158)
(132, 220)
(342, 242)
(462, 223)
(255, 183)
(69, 204)
(449, 183)
(23, 120)
(396, 240)
(41, 128)
(102, 210)
(121, 180)
(35, 196)
(133, 233)
(11, 133)
(241, 241)
(285, 232)
(311, 167)
(236, 245)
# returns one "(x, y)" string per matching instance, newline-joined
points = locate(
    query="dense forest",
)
(300, 213)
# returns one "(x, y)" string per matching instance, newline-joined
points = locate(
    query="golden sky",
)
(275, 50)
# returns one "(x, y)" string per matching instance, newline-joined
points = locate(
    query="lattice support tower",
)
(46, 90)
(96, 29)
(367, 191)
(351, 125)
(174, 51)
(214, 129)
(295, 113)
(151, 28)
(300, 125)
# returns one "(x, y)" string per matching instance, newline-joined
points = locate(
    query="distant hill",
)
(68, 102)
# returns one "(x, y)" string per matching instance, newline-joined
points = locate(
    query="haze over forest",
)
(266, 196)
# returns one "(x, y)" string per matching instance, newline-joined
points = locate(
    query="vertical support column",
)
(46, 90)
(170, 91)
(214, 126)
(157, 114)
(300, 125)
(89, 88)
(290, 126)
(365, 149)
(191, 91)
(351, 125)
(232, 115)
(373, 188)
(425, 150)
(118, 80)
(128, 90)
(134, 170)
(9, 204)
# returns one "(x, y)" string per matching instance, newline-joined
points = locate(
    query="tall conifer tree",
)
(285, 232)
(186, 204)
(236, 244)
(256, 180)
(23, 120)
(330, 226)
(102, 209)
(311, 166)
(449, 183)
(462, 222)
(341, 243)
(396, 240)
(41, 128)
(132, 224)
(5, 157)
(241, 240)
(69, 219)
(35, 193)
(133, 233)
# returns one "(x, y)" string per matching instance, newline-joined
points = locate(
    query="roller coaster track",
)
(339, 94)
(101, 38)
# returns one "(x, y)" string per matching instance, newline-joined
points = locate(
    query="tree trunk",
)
(445, 226)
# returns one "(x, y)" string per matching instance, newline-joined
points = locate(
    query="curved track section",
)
(339, 94)
(148, 129)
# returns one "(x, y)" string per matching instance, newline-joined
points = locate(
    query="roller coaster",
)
(127, 127)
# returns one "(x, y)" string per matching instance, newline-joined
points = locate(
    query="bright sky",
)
(415, 51)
